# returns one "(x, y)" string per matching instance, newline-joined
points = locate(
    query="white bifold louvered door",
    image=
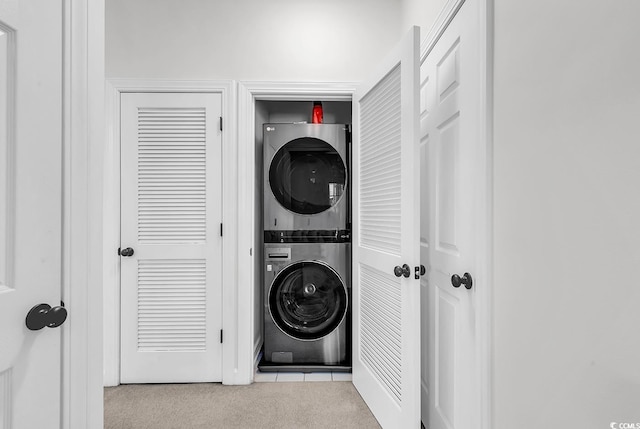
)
(171, 187)
(386, 361)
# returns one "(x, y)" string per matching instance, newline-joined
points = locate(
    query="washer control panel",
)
(278, 254)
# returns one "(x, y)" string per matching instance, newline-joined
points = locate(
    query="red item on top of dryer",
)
(316, 116)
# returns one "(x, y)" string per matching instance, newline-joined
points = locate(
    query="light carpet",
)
(260, 405)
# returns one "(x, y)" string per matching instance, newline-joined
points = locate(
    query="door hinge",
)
(119, 249)
(220, 123)
(220, 230)
(221, 336)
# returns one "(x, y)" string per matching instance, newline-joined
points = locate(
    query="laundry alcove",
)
(279, 111)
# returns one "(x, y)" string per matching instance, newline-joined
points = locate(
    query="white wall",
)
(420, 12)
(332, 40)
(567, 214)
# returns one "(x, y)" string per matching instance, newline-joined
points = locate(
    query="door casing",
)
(83, 147)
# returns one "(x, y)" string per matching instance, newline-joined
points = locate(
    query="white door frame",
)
(83, 146)
(484, 235)
(248, 94)
(111, 235)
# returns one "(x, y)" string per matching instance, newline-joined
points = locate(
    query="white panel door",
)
(451, 162)
(30, 209)
(171, 217)
(386, 361)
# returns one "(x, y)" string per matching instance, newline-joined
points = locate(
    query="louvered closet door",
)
(171, 213)
(386, 368)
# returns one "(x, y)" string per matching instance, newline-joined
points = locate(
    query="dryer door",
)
(307, 176)
(307, 300)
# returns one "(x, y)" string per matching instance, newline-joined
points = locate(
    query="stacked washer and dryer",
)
(307, 248)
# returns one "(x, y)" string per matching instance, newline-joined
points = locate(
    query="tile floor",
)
(301, 376)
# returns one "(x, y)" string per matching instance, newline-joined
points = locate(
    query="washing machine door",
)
(307, 300)
(307, 176)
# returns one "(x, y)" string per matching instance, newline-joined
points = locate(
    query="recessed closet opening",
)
(294, 114)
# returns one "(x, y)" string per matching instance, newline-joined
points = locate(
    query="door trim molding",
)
(449, 10)
(111, 261)
(83, 145)
(484, 237)
(248, 93)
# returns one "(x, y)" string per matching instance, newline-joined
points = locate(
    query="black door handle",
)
(42, 315)
(403, 270)
(126, 252)
(465, 280)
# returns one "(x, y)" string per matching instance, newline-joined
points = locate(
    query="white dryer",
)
(306, 180)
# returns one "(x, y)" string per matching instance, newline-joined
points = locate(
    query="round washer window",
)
(307, 176)
(307, 300)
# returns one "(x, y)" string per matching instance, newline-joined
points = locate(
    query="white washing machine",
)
(307, 313)
(306, 181)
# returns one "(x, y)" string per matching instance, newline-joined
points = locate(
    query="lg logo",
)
(615, 425)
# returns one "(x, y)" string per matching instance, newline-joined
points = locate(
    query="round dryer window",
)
(307, 300)
(307, 176)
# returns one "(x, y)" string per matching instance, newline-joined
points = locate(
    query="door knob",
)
(126, 252)
(420, 271)
(404, 270)
(465, 280)
(43, 315)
